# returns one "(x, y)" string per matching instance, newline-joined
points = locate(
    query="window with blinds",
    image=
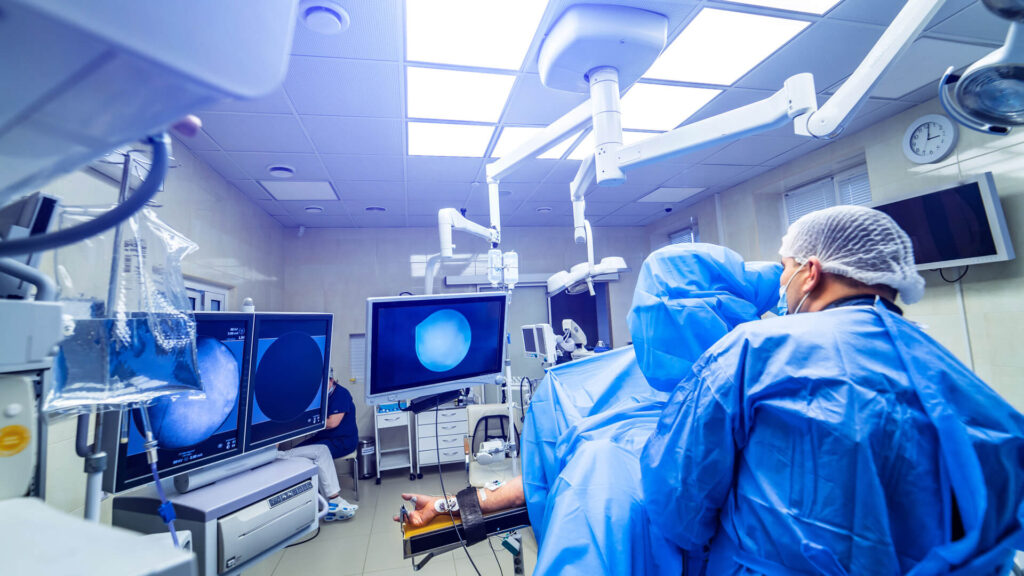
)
(849, 187)
(684, 236)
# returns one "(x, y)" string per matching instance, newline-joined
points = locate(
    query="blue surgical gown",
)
(840, 442)
(588, 420)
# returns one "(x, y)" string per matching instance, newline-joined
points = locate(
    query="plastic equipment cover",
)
(589, 420)
(837, 443)
(132, 338)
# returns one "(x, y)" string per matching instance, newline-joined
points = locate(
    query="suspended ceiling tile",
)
(375, 33)
(442, 168)
(640, 209)
(274, 103)
(707, 175)
(272, 207)
(975, 22)
(563, 172)
(533, 103)
(729, 100)
(511, 195)
(251, 189)
(257, 164)
(862, 122)
(337, 87)
(223, 164)
(619, 194)
(798, 151)
(256, 132)
(623, 220)
(388, 219)
(879, 12)
(297, 208)
(325, 221)
(950, 9)
(357, 208)
(286, 221)
(557, 208)
(201, 141)
(365, 167)
(828, 49)
(453, 194)
(368, 190)
(532, 170)
(428, 207)
(335, 135)
(923, 63)
(653, 174)
(599, 209)
(755, 150)
(551, 193)
(421, 221)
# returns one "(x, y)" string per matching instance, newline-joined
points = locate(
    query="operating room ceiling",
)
(341, 121)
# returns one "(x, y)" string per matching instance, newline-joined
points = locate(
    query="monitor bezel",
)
(271, 316)
(114, 482)
(993, 213)
(437, 388)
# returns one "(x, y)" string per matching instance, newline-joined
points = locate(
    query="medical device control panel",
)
(289, 494)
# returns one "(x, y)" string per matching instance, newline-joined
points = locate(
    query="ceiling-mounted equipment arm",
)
(797, 98)
(449, 219)
(829, 121)
(569, 124)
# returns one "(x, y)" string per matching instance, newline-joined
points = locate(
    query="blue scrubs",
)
(841, 442)
(343, 438)
(588, 420)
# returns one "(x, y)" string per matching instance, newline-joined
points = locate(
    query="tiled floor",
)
(371, 543)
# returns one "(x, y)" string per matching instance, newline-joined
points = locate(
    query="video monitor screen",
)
(947, 225)
(288, 379)
(529, 342)
(192, 432)
(425, 345)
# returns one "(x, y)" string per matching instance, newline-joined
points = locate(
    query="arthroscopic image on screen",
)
(946, 225)
(288, 381)
(418, 343)
(193, 432)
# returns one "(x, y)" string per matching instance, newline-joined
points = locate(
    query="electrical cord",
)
(144, 193)
(444, 493)
(942, 275)
(310, 539)
(498, 562)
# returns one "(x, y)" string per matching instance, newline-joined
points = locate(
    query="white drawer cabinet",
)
(440, 435)
(393, 431)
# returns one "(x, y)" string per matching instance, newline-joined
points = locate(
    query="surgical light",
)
(989, 95)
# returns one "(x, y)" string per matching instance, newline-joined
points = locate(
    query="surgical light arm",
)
(449, 219)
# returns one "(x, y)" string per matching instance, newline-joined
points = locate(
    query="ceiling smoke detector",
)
(281, 171)
(322, 17)
(376, 209)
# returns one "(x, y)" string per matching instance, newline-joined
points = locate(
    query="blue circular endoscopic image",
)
(289, 376)
(442, 340)
(185, 421)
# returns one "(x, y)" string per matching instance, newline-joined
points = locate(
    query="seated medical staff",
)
(588, 420)
(339, 438)
(839, 439)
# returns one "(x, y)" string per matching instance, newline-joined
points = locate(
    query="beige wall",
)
(336, 270)
(753, 225)
(239, 248)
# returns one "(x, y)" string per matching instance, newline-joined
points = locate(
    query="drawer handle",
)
(449, 427)
(450, 453)
(447, 414)
(450, 440)
(391, 418)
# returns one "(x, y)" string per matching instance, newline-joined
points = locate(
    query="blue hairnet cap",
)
(687, 297)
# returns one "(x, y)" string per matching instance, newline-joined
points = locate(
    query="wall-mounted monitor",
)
(955, 226)
(419, 346)
(191, 432)
(288, 377)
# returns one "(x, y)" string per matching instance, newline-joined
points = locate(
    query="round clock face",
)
(929, 139)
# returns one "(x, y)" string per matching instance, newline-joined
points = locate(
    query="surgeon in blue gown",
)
(839, 439)
(589, 420)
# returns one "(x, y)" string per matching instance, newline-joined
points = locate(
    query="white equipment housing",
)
(237, 521)
(89, 76)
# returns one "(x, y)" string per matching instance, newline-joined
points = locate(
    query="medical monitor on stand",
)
(288, 378)
(191, 432)
(420, 346)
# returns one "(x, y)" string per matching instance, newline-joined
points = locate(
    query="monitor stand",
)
(424, 403)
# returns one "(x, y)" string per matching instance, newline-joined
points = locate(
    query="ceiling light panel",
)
(429, 139)
(659, 107)
(488, 34)
(719, 47)
(512, 137)
(587, 145)
(670, 195)
(456, 95)
(285, 190)
(818, 7)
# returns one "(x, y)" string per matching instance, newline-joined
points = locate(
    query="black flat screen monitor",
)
(423, 345)
(191, 432)
(955, 226)
(288, 378)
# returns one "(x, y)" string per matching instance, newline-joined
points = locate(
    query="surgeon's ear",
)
(814, 275)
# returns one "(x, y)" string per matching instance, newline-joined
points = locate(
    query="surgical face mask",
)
(783, 308)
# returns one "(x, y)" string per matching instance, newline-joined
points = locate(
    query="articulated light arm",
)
(585, 178)
(829, 121)
(572, 122)
(449, 219)
(796, 98)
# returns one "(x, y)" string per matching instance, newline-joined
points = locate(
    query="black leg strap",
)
(472, 518)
